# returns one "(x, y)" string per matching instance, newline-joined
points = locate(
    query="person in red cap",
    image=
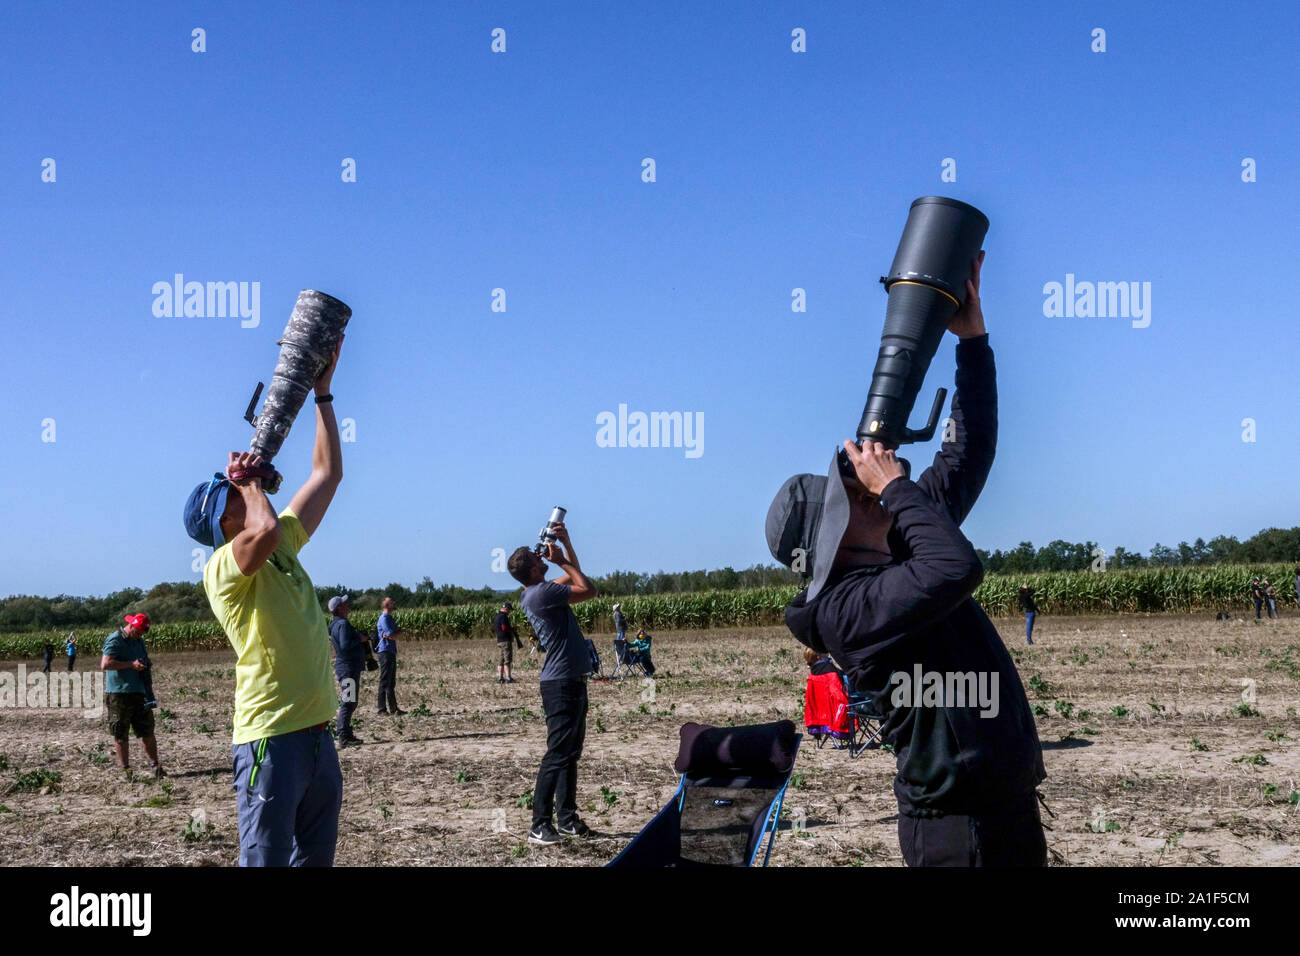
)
(140, 622)
(128, 687)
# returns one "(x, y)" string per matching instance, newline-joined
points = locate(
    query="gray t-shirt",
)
(553, 620)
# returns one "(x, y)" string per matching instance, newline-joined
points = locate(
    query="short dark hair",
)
(519, 564)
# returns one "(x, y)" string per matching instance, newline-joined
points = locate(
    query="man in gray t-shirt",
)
(556, 626)
(563, 680)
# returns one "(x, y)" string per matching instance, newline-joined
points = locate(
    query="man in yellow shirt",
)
(288, 785)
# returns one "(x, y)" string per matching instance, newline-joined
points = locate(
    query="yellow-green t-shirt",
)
(282, 679)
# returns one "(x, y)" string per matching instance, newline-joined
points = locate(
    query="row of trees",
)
(186, 601)
(1269, 546)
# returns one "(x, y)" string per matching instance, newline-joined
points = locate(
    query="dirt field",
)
(1175, 777)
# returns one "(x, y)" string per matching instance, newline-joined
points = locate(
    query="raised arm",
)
(562, 553)
(961, 466)
(943, 571)
(312, 500)
(260, 536)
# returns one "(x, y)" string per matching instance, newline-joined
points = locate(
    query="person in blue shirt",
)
(563, 680)
(72, 649)
(386, 630)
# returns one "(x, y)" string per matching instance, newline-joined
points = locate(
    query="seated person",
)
(825, 704)
(639, 652)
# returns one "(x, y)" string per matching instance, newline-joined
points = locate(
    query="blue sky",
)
(522, 171)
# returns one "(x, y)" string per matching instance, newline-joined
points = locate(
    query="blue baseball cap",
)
(203, 511)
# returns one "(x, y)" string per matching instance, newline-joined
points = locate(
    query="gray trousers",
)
(387, 680)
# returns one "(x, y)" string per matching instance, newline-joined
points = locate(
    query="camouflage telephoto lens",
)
(306, 348)
(926, 286)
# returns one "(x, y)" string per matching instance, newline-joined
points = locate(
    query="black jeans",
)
(1013, 838)
(388, 680)
(565, 703)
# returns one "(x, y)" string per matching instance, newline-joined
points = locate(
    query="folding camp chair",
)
(627, 662)
(728, 803)
(596, 673)
(867, 726)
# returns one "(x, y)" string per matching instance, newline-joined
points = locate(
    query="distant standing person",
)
(387, 630)
(1257, 595)
(125, 663)
(507, 640)
(1027, 604)
(140, 623)
(1297, 587)
(1270, 595)
(72, 649)
(49, 656)
(563, 680)
(349, 660)
(620, 623)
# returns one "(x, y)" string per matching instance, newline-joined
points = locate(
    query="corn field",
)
(1139, 590)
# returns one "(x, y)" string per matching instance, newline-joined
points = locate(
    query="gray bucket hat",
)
(811, 514)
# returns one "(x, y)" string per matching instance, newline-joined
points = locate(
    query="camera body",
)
(547, 534)
(846, 466)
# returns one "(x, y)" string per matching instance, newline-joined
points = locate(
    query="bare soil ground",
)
(1152, 755)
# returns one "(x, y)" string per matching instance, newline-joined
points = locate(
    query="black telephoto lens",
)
(926, 286)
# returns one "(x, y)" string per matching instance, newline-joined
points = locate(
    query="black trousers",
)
(1012, 838)
(565, 703)
(388, 680)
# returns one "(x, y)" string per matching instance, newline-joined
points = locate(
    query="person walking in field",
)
(350, 650)
(287, 781)
(507, 640)
(125, 663)
(1257, 595)
(72, 649)
(890, 597)
(1026, 597)
(563, 680)
(49, 656)
(386, 630)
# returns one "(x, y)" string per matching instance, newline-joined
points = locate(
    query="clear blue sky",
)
(522, 171)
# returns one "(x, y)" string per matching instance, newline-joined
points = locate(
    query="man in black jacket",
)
(890, 599)
(350, 652)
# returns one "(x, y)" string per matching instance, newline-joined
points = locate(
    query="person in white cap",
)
(350, 652)
(620, 623)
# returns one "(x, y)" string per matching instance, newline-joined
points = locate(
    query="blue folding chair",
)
(626, 661)
(596, 673)
(866, 723)
(728, 803)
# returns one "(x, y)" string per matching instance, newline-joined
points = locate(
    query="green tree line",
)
(186, 601)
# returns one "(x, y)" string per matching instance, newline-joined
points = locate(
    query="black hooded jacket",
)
(916, 615)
